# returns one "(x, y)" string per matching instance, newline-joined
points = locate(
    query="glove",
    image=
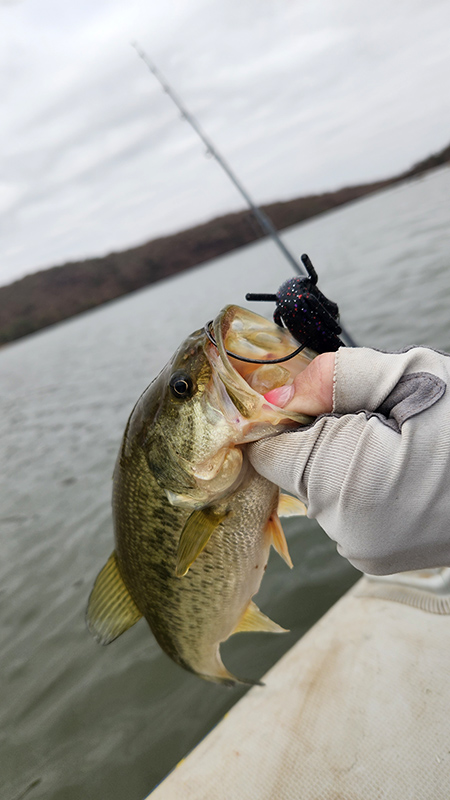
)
(375, 472)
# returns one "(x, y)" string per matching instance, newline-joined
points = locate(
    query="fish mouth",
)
(240, 332)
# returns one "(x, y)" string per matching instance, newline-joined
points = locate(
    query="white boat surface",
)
(358, 709)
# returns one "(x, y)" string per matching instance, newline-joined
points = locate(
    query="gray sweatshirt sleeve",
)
(376, 472)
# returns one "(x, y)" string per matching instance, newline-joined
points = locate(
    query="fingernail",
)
(281, 396)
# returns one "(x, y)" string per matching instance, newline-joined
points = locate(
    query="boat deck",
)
(358, 709)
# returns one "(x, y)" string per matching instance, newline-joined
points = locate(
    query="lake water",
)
(78, 721)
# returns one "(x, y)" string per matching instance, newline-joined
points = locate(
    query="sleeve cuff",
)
(363, 377)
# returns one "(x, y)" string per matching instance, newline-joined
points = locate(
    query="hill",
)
(52, 295)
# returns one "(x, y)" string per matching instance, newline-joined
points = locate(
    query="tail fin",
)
(214, 670)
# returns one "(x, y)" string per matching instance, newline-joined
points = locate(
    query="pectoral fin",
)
(111, 609)
(289, 506)
(195, 536)
(275, 531)
(254, 620)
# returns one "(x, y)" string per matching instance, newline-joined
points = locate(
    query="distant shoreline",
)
(53, 295)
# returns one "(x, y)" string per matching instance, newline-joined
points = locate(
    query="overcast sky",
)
(299, 95)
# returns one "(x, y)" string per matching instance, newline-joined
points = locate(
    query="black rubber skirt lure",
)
(311, 318)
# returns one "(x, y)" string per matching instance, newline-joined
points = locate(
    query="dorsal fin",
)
(195, 535)
(289, 506)
(111, 609)
(278, 539)
(254, 620)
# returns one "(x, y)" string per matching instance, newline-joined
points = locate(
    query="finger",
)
(312, 391)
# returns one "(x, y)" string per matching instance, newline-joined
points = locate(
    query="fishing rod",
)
(308, 280)
(265, 221)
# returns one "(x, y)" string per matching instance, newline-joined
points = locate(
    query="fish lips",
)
(238, 330)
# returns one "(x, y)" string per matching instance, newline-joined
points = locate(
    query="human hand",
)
(312, 390)
(375, 472)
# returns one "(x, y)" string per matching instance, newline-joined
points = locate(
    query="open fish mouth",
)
(271, 358)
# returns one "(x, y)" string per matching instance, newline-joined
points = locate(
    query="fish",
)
(193, 521)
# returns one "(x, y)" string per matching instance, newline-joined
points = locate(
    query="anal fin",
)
(254, 620)
(111, 609)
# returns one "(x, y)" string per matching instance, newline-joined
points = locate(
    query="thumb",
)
(312, 390)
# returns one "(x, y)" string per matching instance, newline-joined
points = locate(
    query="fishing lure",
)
(311, 318)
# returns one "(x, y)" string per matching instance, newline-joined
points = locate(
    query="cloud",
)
(300, 97)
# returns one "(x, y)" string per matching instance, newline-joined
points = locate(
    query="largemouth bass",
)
(193, 521)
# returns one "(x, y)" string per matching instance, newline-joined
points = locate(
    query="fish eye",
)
(181, 385)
